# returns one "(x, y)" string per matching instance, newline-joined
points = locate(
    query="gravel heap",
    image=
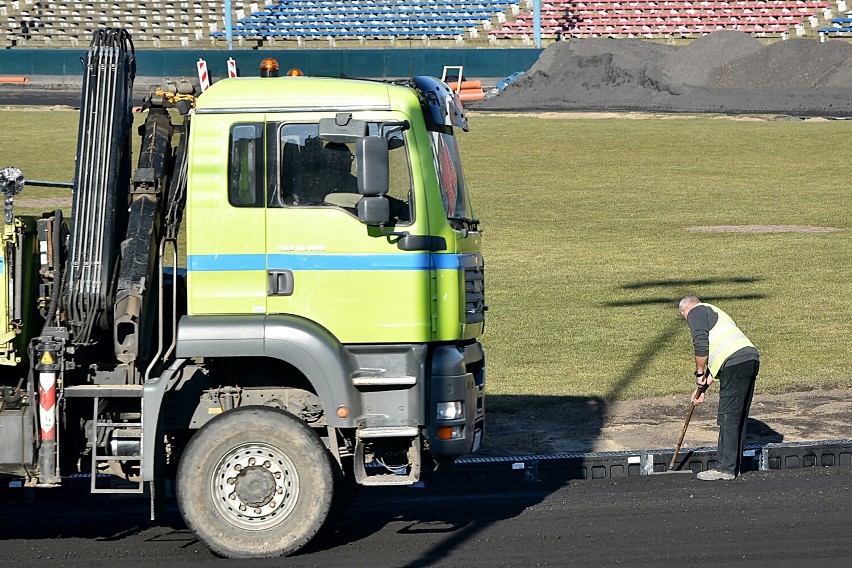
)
(725, 72)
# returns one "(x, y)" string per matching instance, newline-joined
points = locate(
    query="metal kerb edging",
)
(558, 468)
(826, 453)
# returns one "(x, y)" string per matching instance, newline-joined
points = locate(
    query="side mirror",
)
(373, 163)
(374, 210)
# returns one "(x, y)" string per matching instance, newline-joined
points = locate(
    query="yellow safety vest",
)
(725, 340)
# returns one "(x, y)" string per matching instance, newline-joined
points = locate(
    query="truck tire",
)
(345, 490)
(255, 482)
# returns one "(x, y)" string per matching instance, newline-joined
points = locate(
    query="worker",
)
(722, 352)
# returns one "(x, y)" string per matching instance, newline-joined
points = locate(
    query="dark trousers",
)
(736, 389)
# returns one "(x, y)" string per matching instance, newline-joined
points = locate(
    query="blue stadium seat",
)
(369, 19)
(839, 26)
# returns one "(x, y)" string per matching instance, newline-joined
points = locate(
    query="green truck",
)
(320, 335)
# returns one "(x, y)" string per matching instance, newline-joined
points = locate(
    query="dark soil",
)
(724, 72)
(577, 425)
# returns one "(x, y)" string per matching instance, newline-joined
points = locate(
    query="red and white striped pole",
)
(232, 68)
(47, 368)
(203, 75)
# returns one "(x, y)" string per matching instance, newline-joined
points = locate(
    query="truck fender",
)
(152, 399)
(303, 343)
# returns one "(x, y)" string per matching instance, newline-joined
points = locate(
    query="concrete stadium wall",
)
(366, 63)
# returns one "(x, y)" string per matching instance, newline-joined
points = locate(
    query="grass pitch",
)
(588, 243)
(588, 249)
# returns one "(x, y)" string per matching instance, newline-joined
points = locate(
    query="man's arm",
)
(699, 326)
(701, 365)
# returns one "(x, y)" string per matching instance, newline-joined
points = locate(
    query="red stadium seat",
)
(684, 18)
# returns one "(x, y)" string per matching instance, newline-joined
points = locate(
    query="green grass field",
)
(587, 248)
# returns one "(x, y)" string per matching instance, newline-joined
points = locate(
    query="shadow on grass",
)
(523, 424)
(582, 417)
(673, 301)
(695, 282)
(656, 343)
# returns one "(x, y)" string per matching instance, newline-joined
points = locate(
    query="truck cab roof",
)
(289, 94)
(271, 94)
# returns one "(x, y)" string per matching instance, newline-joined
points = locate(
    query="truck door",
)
(322, 262)
(226, 217)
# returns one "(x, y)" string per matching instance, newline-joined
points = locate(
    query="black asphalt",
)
(772, 519)
(53, 92)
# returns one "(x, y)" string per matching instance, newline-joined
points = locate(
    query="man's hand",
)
(702, 383)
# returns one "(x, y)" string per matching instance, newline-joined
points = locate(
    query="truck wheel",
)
(255, 482)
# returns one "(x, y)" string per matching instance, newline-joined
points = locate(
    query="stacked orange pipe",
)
(470, 90)
(14, 80)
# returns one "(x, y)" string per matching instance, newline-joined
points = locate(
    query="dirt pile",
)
(726, 71)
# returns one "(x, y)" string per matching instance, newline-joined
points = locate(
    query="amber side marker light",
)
(269, 67)
(295, 72)
(445, 433)
(342, 412)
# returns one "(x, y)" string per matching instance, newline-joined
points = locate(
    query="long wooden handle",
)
(682, 435)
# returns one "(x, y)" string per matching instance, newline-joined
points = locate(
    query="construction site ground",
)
(575, 424)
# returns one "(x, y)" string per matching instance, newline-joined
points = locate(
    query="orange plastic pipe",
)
(14, 80)
(471, 95)
(473, 84)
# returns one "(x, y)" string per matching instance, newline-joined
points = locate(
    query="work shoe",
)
(714, 474)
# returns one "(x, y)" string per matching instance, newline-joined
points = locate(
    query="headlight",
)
(450, 410)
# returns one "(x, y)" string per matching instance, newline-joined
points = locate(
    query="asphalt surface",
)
(763, 519)
(51, 91)
(38, 97)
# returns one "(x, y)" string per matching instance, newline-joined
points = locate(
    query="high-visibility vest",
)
(725, 340)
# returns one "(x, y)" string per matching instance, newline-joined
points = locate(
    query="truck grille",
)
(474, 287)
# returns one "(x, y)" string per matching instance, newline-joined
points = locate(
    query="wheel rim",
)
(255, 486)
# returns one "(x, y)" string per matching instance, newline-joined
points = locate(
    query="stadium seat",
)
(307, 19)
(839, 27)
(665, 18)
(70, 24)
(201, 23)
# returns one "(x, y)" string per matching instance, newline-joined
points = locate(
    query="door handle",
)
(280, 283)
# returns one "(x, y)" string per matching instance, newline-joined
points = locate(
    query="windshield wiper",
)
(470, 222)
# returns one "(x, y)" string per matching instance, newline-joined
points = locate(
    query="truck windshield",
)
(451, 178)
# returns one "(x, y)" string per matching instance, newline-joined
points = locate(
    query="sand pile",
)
(726, 71)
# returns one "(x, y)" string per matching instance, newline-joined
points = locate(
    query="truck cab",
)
(338, 208)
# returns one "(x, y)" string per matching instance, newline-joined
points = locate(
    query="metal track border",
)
(558, 468)
(529, 471)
